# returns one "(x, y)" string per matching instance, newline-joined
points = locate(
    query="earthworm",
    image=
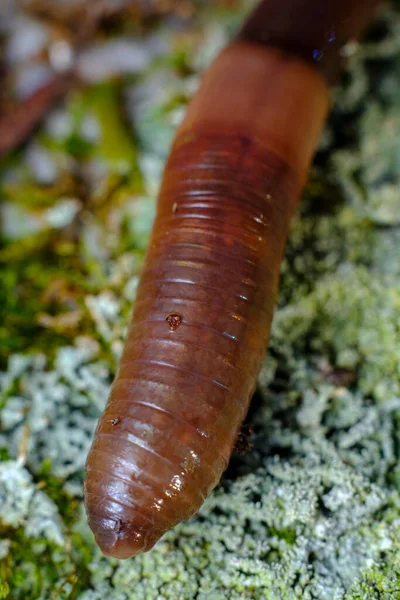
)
(207, 292)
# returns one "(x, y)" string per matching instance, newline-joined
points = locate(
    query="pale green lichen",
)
(312, 512)
(22, 504)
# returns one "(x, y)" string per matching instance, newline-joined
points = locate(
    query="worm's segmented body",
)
(207, 292)
(182, 391)
(205, 299)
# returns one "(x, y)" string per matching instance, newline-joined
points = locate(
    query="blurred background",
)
(91, 94)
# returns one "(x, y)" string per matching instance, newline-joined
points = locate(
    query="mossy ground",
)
(312, 511)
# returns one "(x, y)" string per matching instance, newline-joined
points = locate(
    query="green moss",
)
(36, 570)
(40, 556)
(34, 312)
(287, 535)
(115, 144)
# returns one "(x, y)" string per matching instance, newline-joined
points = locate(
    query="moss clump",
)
(40, 555)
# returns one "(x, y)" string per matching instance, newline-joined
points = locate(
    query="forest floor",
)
(312, 511)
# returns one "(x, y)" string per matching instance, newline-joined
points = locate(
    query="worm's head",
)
(120, 532)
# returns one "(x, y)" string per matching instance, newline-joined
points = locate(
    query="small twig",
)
(17, 123)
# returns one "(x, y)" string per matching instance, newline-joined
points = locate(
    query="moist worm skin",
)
(207, 292)
(206, 296)
(181, 393)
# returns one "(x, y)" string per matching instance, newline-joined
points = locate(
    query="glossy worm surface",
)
(199, 334)
(205, 299)
(207, 292)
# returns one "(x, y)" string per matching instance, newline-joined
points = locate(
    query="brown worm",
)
(207, 293)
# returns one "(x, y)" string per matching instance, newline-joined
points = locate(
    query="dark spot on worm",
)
(173, 320)
(114, 421)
